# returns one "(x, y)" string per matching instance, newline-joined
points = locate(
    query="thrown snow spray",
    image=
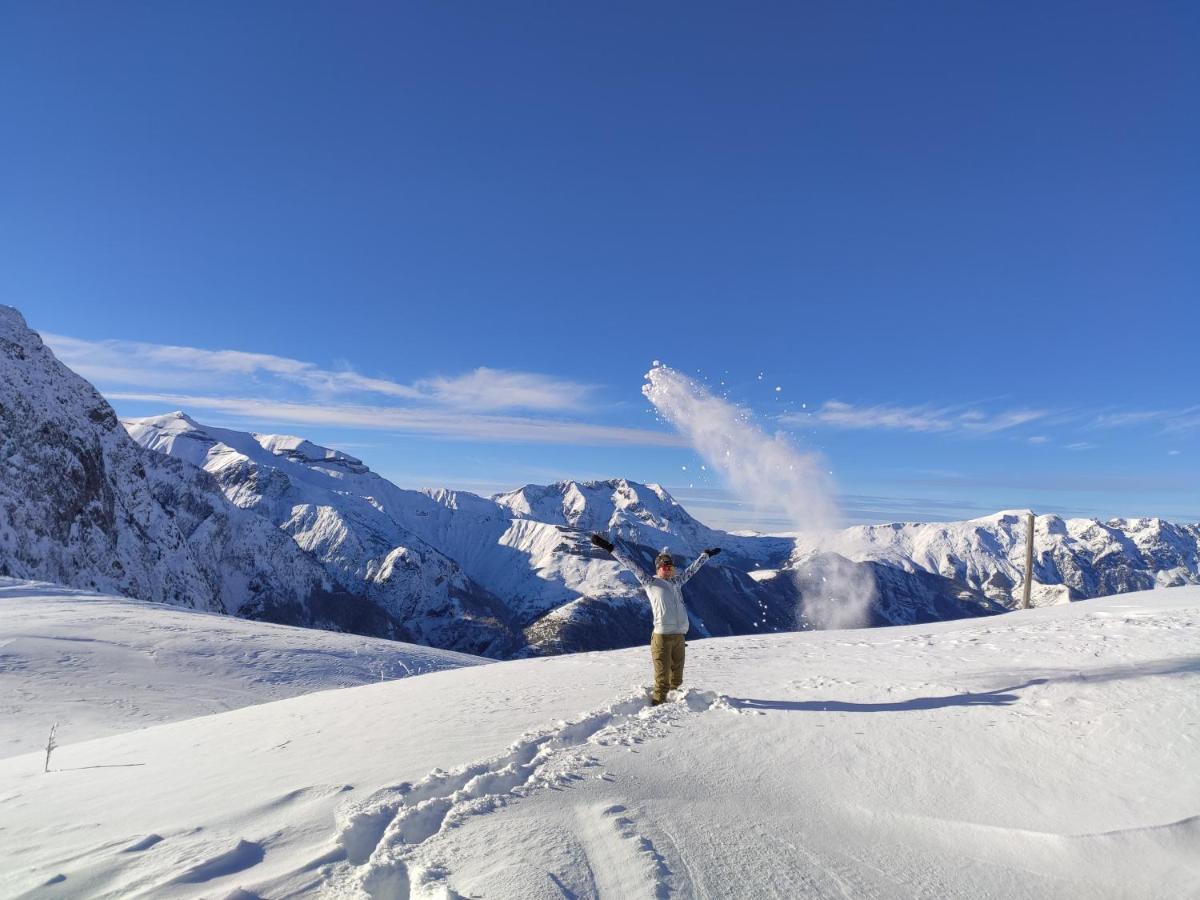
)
(773, 476)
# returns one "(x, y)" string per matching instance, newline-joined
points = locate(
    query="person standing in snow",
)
(665, 591)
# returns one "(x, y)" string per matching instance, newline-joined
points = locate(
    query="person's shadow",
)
(999, 697)
(1179, 665)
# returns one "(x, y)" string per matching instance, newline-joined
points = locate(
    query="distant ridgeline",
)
(277, 528)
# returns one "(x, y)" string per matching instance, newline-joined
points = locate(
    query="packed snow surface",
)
(101, 665)
(1044, 753)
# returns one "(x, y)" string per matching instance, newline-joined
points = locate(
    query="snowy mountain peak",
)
(184, 419)
(164, 433)
(643, 514)
(172, 423)
(1140, 524)
(307, 453)
(176, 434)
(81, 504)
(662, 493)
(600, 505)
(365, 531)
(13, 328)
(1087, 557)
(1007, 517)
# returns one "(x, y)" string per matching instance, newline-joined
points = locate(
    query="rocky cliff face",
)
(82, 504)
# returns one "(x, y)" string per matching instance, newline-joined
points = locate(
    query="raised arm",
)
(691, 570)
(621, 557)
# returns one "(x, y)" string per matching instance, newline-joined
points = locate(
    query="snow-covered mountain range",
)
(82, 504)
(1074, 559)
(352, 521)
(523, 557)
(278, 528)
(525, 552)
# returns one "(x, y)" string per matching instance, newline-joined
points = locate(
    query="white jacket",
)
(665, 594)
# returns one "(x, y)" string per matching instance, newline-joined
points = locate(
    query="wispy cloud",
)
(931, 418)
(721, 509)
(1185, 420)
(910, 418)
(135, 364)
(1005, 420)
(491, 389)
(439, 423)
(1080, 481)
(926, 418)
(1171, 421)
(1128, 418)
(483, 404)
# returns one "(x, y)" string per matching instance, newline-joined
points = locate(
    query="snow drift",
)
(1044, 753)
(100, 665)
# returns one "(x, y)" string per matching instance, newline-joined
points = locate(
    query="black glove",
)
(712, 551)
(602, 543)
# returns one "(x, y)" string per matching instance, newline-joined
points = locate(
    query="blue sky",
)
(961, 238)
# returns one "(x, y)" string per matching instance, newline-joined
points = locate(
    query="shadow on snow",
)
(999, 697)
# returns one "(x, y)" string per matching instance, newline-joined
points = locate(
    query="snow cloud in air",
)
(768, 472)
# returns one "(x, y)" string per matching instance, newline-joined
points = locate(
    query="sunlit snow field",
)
(100, 665)
(1046, 753)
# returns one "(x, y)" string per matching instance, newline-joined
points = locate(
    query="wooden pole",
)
(1028, 563)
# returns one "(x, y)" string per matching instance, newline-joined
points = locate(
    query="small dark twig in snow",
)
(50, 745)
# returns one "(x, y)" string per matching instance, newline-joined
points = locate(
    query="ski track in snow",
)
(390, 841)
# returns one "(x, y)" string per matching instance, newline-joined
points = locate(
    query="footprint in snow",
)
(381, 835)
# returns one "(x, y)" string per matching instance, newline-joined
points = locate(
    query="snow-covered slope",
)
(640, 513)
(519, 560)
(336, 508)
(100, 665)
(82, 504)
(1087, 557)
(1046, 753)
(542, 578)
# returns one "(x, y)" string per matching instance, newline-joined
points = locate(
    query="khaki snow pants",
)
(666, 650)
